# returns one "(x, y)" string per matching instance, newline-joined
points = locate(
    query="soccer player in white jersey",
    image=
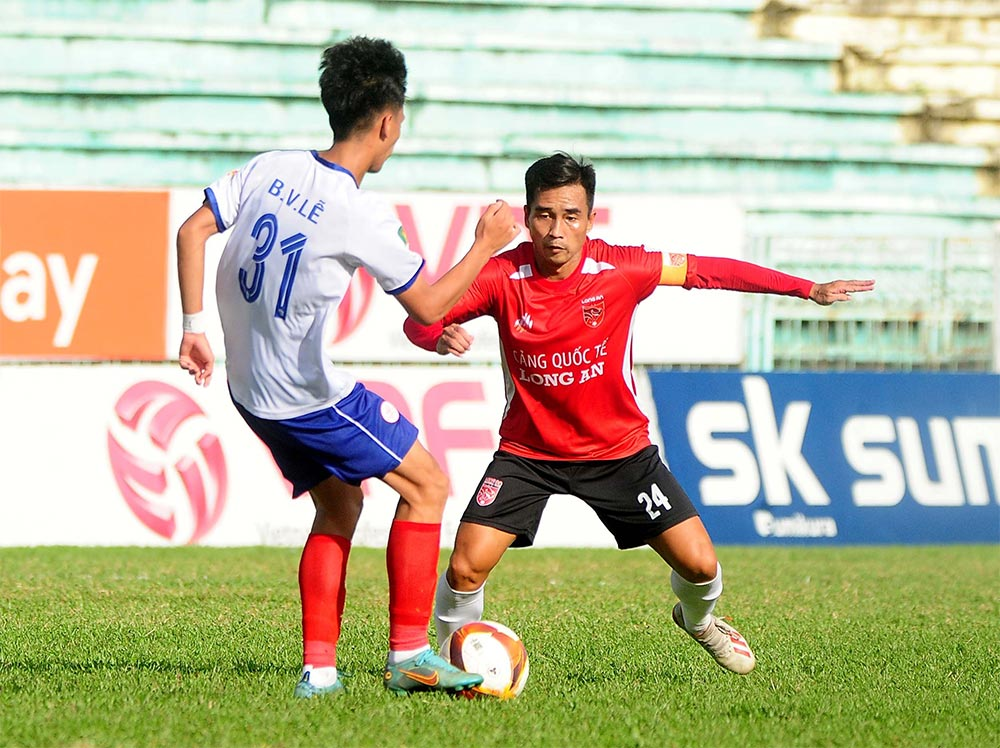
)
(565, 306)
(299, 227)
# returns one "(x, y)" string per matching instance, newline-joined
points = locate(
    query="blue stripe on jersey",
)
(410, 282)
(214, 205)
(335, 167)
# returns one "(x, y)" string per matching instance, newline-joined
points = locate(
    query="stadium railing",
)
(933, 309)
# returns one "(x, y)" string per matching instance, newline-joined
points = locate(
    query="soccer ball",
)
(493, 651)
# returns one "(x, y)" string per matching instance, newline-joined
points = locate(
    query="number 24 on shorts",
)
(653, 499)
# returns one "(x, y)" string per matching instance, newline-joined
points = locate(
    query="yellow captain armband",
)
(675, 268)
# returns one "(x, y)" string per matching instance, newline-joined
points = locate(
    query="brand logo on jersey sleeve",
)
(593, 311)
(488, 491)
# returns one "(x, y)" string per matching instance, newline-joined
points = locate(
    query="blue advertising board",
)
(827, 458)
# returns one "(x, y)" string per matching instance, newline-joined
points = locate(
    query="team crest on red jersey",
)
(593, 312)
(488, 491)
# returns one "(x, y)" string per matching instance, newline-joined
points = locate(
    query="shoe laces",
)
(428, 658)
(716, 637)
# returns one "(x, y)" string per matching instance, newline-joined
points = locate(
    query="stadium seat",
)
(833, 128)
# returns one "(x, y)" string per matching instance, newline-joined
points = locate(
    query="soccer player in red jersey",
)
(565, 306)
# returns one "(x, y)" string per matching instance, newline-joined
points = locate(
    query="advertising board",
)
(91, 275)
(83, 274)
(118, 454)
(836, 458)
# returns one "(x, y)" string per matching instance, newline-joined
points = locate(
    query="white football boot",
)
(726, 645)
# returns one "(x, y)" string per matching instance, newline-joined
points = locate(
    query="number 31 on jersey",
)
(291, 248)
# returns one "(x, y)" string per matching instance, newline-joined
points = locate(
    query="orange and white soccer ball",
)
(493, 651)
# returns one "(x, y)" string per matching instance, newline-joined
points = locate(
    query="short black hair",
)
(360, 78)
(559, 170)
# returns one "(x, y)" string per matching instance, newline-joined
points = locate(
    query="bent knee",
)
(464, 575)
(699, 567)
(430, 491)
(436, 487)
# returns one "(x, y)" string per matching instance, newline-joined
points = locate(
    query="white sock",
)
(321, 677)
(697, 600)
(453, 609)
(397, 656)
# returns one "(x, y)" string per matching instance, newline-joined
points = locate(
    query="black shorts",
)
(636, 497)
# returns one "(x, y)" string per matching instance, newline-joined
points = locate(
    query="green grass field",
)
(200, 647)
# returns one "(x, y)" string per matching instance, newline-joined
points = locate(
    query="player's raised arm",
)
(427, 302)
(691, 271)
(195, 355)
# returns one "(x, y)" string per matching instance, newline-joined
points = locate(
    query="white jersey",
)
(300, 228)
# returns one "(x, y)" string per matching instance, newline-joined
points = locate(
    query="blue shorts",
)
(361, 436)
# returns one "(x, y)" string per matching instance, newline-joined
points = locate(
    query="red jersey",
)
(567, 344)
(566, 349)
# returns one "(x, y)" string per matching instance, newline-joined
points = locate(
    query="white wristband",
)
(194, 322)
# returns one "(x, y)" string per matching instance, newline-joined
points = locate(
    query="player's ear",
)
(590, 220)
(527, 212)
(385, 124)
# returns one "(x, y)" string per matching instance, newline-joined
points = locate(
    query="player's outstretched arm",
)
(195, 355)
(691, 271)
(838, 290)
(427, 303)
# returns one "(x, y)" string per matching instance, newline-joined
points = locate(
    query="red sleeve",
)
(424, 336)
(475, 302)
(640, 267)
(736, 275)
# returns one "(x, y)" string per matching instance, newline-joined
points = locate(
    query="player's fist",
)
(496, 228)
(454, 340)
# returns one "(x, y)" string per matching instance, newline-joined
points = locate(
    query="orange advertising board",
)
(83, 274)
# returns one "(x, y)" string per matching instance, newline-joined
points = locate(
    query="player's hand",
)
(454, 340)
(838, 290)
(496, 228)
(196, 357)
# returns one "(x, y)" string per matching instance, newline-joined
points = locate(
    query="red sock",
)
(322, 586)
(411, 561)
